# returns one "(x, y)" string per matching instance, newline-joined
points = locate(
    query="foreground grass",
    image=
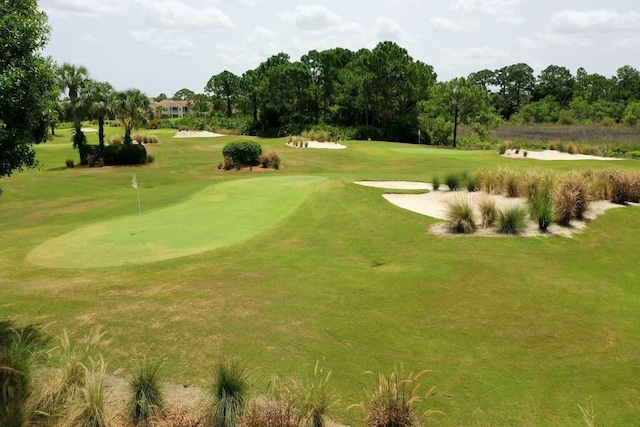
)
(517, 331)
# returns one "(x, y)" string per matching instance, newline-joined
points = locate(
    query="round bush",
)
(243, 152)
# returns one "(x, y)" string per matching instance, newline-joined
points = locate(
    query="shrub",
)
(472, 183)
(391, 403)
(487, 208)
(146, 399)
(452, 180)
(69, 163)
(570, 198)
(542, 210)
(86, 405)
(227, 395)
(272, 414)
(460, 216)
(131, 154)
(435, 182)
(489, 181)
(512, 220)
(19, 352)
(502, 149)
(511, 181)
(139, 138)
(534, 182)
(228, 163)
(243, 152)
(150, 158)
(270, 160)
(115, 140)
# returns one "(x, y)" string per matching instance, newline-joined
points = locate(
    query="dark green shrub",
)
(243, 152)
(460, 216)
(512, 220)
(502, 149)
(69, 163)
(452, 180)
(435, 182)
(146, 399)
(124, 154)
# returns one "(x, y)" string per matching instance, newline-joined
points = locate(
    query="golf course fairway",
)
(220, 215)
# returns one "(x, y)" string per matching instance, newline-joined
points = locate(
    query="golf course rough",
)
(220, 215)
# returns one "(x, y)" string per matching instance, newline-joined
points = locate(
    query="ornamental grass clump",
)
(570, 198)
(452, 180)
(20, 350)
(227, 395)
(391, 403)
(511, 180)
(460, 216)
(488, 211)
(146, 394)
(512, 220)
(534, 182)
(489, 181)
(542, 210)
(435, 182)
(86, 405)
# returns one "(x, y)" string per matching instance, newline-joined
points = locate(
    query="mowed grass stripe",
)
(220, 215)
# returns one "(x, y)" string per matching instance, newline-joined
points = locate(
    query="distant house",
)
(170, 108)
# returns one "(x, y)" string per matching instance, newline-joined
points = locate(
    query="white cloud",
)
(167, 41)
(388, 29)
(440, 23)
(87, 8)
(502, 10)
(312, 18)
(633, 43)
(175, 14)
(473, 59)
(594, 21)
(544, 40)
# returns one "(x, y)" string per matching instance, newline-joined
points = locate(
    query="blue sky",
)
(165, 45)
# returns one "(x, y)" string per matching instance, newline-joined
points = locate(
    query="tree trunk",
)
(100, 134)
(455, 128)
(228, 108)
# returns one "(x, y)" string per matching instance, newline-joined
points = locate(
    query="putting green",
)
(217, 216)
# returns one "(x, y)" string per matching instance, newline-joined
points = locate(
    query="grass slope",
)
(517, 331)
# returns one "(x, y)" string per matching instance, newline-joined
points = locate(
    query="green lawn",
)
(305, 265)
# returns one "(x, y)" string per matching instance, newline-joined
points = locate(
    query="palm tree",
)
(99, 100)
(73, 79)
(133, 108)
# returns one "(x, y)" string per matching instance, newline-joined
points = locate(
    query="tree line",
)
(383, 93)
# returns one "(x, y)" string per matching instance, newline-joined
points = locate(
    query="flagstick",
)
(140, 209)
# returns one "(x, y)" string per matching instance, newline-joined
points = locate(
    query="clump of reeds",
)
(487, 208)
(391, 403)
(512, 220)
(146, 395)
(460, 216)
(227, 395)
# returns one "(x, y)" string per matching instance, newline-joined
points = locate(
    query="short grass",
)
(516, 331)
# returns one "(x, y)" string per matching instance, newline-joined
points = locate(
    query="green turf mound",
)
(217, 216)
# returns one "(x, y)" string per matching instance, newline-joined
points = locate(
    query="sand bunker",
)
(325, 145)
(434, 204)
(88, 130)
(199, 134)
(551, 155)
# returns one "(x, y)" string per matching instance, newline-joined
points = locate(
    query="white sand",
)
(193, 134)
(88, 130)
(434, 204)
(552, 155)
(325, 145)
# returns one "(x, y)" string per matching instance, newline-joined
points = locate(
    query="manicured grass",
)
(220, 215)
(517, 331)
